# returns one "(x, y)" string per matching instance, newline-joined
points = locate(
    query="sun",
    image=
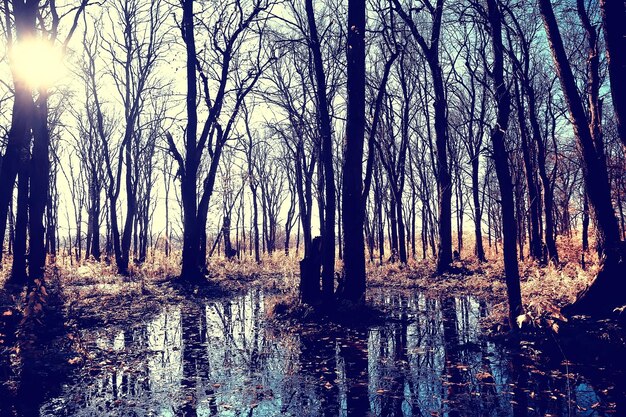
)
(37, 62)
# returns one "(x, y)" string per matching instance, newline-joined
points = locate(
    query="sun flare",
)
(37, 62)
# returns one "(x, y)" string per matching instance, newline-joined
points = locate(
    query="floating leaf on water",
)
(75, 360)
(485, 377)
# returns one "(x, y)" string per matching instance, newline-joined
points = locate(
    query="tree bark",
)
(547, 184)
(39, 182)
(353, 206)
(509, 226)
(190, 270)
(536, 250)
(613, 17)
(444, 179)
(328, 241)
(18, 269)
(17, 153)
(607, 290)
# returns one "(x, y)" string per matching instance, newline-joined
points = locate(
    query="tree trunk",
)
(18, 270)
(255, 224)
(17, 153)
(353, 201)
(190, 270)
(229, 252)
(536, 244)
(478, 233)
(328, 225)
(607, 290)
(401, 233)
(52, 215)
(585, 232)
(122, 264)
(444, 180)
(613, 17)
(39, 182)
(310, 273)
(548, 194)
(503, 98)
(393, 225)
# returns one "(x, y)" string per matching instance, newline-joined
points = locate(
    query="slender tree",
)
(326, 160)
(225, 58)
(430, 49)
(500, 155)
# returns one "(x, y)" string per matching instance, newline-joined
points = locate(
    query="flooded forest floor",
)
(91, 343)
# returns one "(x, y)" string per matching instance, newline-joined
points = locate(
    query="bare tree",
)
(601, 296)
(503, 103)
(29, 124)
(235, 76)
(430, 49)
(353, 206)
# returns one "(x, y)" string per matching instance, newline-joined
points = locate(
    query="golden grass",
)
(90, 286)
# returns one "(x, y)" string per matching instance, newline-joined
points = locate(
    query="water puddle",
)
(223, 359)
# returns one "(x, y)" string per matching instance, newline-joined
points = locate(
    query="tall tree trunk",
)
(607, 290)
(11, 229)
(353, 201)
(229, 252)
(328, 242)
(613, 17)
(536, 250)
(18, 270)
(255, 224)
(444, 179)
(95, 223)
(548, 193)
(479, 250)
(585, 232)
(39, 182)
(593, 88)
(401, 232)
(122, 265)
(17, 154)
(52, 214)
(190, 270)
(509, 227)
(393, 225)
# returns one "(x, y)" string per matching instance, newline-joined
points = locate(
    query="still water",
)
(223, 358)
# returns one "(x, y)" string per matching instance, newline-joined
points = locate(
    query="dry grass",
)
(93, 291)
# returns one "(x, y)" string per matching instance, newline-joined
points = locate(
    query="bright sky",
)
(41, 63)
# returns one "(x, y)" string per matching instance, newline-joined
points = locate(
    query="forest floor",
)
(81, 299)
(93, 293)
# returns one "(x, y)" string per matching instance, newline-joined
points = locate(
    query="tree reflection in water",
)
(221, 358)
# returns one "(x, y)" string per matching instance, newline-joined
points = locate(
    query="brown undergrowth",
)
(94, 294)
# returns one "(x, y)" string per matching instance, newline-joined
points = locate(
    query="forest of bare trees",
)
(299, 207)
(396, 131)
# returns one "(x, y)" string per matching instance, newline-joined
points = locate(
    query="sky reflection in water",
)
(222, 359)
